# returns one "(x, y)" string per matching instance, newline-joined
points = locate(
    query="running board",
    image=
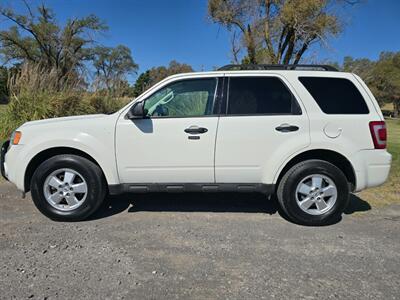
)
(116, 189)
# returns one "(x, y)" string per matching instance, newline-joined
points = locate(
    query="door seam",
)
(215, 149)
(221, 99)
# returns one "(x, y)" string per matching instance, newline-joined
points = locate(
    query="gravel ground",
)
(210, 246)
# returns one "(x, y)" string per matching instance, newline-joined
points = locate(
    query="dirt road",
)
(232, 246)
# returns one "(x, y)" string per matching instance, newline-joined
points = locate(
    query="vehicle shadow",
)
(356, 204)
(204, 202)
(187, 202)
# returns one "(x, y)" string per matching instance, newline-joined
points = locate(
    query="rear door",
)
(263, 123)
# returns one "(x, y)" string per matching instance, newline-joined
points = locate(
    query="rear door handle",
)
(196, 130)
(287, 128)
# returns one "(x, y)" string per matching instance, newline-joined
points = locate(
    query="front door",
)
(175, 142)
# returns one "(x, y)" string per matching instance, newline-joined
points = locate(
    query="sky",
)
(158, 31)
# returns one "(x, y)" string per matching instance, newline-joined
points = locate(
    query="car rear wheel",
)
(68, 188)
(313, 192)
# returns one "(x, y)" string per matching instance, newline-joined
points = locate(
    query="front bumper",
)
(3, 166)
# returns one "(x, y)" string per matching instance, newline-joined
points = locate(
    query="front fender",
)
(102, 151)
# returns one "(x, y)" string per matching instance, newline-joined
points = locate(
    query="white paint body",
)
(236, 149)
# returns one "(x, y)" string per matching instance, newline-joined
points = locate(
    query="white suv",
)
(308, 134)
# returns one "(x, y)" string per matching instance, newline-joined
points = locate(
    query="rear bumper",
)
(3, 165)
(372, 168)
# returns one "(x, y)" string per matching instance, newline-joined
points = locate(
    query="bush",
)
(37, 94)
(103, 104)
(35, 106)
(27, 107)
(387, 113)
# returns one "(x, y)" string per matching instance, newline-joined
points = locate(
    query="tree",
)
(363, 67)
(381, 76)
(277, 31)
(3, 85)
(154, 75)
(174, 67)
(386, 80)
(141, 84)
(39, 39)
(112, 65)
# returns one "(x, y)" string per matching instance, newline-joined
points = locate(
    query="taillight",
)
(378, 133)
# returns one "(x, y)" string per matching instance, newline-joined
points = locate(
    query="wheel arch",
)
(337, 159)
(48, 153)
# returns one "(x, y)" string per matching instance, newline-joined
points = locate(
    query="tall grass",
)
(37, 93)
(34, 78)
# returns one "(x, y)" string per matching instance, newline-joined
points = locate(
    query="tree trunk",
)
(289, 51)
(251, 47)
(396, 106)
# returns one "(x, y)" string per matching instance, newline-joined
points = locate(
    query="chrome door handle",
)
(196, 130)
(287, 128)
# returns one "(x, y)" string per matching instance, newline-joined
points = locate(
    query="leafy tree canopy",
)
(156, 74)
(277, 31)
(36, 38)
(386, 79)
(112, 65)
(39, 39)
(382, 76)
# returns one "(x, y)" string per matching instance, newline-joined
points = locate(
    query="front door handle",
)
(196, 130)
(287, 128)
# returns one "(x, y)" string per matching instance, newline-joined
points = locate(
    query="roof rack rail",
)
(277, 67)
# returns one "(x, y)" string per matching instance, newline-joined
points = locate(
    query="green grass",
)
(3, 108)
(389, 192)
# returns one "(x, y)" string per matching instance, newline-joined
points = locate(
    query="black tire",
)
(92, 174)
(286, 192)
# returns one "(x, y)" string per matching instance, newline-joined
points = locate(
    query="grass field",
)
(390, 191)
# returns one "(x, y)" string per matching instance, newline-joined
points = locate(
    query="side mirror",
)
(136, 111)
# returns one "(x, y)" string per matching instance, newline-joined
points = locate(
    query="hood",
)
(63, 119)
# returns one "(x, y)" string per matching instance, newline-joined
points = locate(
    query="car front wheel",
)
(68, 188)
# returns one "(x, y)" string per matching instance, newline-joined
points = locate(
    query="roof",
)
(264, 67)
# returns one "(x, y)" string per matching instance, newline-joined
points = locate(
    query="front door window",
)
(186, 98)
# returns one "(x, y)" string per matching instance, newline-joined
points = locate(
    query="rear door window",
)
(335, 95)
(260, 96)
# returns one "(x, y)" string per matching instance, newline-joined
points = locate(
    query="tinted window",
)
(335, 95)
(260, 95)
(183, 99)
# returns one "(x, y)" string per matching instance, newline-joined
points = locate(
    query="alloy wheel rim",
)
(65, 189)
(316, 194)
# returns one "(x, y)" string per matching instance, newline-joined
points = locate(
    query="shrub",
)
(35, 106)
(39, 94)
(103, 104)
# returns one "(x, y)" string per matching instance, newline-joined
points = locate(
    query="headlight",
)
(16, 137)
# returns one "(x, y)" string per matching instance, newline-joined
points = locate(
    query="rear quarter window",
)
(335, 95)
